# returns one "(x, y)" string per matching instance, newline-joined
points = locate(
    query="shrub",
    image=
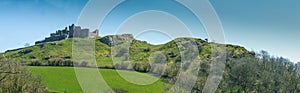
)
(141, 66)
(35, 63)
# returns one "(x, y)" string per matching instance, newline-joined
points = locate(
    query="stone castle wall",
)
(72, 32)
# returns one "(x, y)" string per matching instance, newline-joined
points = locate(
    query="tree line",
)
(259, 74)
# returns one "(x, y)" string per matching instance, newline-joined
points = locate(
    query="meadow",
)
(63, 79)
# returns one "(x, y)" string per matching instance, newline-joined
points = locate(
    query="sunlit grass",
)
(63, 79)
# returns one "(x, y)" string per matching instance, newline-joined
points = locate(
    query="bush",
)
(84, 64)
(60, 62)
(35, 63)
(26, 51)
(122, 66)
(119, 90)
(141, 66)
(157, 68)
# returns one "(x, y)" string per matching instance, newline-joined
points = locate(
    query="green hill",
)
(244, 71)
(139, 51)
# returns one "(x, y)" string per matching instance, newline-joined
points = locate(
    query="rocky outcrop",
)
(107, 40)
(113, 39)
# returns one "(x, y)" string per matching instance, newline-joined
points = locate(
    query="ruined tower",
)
(73, 32)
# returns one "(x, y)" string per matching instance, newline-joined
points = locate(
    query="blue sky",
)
(271, 25)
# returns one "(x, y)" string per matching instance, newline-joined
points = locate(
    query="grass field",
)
(63, 79)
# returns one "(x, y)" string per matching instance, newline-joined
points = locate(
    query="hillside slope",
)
(244, 71)
(139, 51)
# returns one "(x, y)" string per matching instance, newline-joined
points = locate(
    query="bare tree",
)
(15, 78)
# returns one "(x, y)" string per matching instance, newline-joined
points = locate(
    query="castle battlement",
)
(72, 32)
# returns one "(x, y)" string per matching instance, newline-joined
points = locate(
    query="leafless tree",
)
(15, 78)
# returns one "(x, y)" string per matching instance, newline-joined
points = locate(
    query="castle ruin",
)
(72, 32)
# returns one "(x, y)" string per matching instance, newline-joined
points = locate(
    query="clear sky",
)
(271, 25)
